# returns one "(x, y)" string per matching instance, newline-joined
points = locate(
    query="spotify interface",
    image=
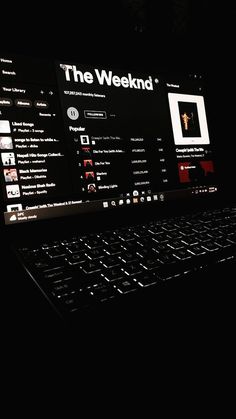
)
(75, 138)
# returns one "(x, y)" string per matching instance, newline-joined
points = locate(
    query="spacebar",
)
(167, 271)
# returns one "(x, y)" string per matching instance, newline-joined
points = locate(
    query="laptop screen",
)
(77, 138)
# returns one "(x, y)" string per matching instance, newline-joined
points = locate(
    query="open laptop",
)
(109, 181)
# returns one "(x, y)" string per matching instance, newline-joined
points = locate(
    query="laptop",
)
(109, 184)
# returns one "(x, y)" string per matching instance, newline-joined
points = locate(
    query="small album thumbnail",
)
(86, 151)
(84, 139)
(89, 176)
(6, 143)
(5, 127)
(13, 191)
(8, 159)
(14, 207)
(10, 175)
(88, 163)
(91, 188)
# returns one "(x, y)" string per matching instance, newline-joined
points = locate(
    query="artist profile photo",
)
(92, 187)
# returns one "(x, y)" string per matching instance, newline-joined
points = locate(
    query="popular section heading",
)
(105, 77)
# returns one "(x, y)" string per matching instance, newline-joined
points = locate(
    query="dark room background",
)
(155, 32)
(149, 34)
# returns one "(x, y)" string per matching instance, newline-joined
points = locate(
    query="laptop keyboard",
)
(86, 270)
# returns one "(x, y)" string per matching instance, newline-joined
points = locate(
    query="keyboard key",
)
(190, 241)
(103, 292)
(110, 262)
(75, 247)
(128, 257)
(196, 250)
(95, 254)
(203, 237)
(161, 238)
(114, 249)
(176, 244)
(93, 243)
(223, 242)
(160, 247)
(232, 238)
(169, 227)
(210, 246)
(133, 269)
(90, 267)
(56, 275)
(62, 289)
(155, 229)
(145, 242)
(76, 259)
(126, 286)
(42, 265)
(112, 275)
(150, 263)
(146, 279)
(174, 234)
(126, 236)
(56, 252)
(110, 238)
(187, 231)
(200, 228)
(166, 257)
(182, 254)
(50, 245)
(130, 245)
(76, 301)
